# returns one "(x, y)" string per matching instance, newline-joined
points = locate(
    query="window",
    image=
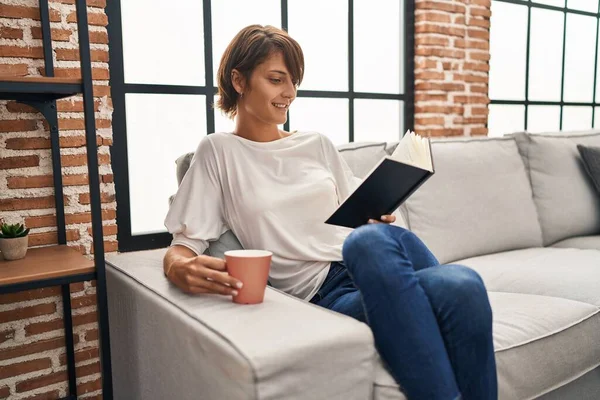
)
(543, 66)
(358, 85)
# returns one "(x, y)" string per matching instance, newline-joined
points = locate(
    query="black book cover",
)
(382, 192)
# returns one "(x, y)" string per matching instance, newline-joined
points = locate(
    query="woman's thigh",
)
(350, 304)
(342, 296)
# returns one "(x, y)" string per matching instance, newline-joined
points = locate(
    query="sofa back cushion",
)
(564, 194)
(361, 157)
(479, 200)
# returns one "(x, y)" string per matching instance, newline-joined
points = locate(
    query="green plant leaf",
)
(5, 230)
(9, 231)
(20, 229)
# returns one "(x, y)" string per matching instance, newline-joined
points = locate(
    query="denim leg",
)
(379, 259)
(460, 302)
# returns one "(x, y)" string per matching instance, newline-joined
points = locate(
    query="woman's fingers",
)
(211, 262)
(200, 279)
(386, 219)
(214, 269)
(213, 287)
(223, 278)
(197, 285)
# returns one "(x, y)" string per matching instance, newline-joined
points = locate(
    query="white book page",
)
(414, 150)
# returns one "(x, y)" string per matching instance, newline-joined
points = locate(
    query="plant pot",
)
(14, 248)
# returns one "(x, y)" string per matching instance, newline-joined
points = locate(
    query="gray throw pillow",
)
(591, 162)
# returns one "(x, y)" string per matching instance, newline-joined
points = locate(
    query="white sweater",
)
(273, 196)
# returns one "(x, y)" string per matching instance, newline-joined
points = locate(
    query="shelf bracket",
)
(48, 110)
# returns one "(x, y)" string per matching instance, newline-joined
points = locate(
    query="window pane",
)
(328, 116)
(557, 3)
(576, 118)
(583, 5)
(508, 45)
(160, 128)
(323, 36)
(378, 46)
(597, 118)
(171, 55)
(545, 57)
(579, 58)
(230, 16)
(505, 119)
(543, 119)
(377, 120)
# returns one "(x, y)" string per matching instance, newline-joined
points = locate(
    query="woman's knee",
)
(464, 288)
(368, 238)
(475, 297)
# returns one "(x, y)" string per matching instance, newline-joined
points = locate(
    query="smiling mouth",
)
(281, 106)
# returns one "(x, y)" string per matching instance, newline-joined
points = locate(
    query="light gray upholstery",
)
(542, 342)
(566, 200)
(362, 157)
(170, 345)
(580, 242)
(478, 201)
(585, 387)
(568, 273)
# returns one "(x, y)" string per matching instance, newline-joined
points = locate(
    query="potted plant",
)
(13, 241)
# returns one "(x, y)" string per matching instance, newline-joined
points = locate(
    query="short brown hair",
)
(250, 47)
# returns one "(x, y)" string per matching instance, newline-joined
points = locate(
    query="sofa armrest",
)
(167, 344)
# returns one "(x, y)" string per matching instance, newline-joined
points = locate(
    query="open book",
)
(388, 184)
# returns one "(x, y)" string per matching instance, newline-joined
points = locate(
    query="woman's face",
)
(270, 91)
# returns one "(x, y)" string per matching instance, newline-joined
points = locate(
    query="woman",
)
(432, 324)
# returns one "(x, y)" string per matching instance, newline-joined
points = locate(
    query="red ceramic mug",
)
(252, 268)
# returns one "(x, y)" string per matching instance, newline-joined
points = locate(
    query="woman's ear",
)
(238, 81)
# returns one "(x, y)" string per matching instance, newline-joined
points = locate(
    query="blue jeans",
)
(432, 323)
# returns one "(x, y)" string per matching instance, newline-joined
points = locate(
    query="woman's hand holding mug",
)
(203, 274)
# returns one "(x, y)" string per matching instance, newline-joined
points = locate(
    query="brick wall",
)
(451, 67)
(32, 354)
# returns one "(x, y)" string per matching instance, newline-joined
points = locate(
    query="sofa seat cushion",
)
(580, 242)
(566, 201)
(465, 209)
(568, 273)
(540, 343)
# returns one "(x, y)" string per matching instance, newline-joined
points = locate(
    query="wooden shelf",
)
(44, 263)
(36, 88)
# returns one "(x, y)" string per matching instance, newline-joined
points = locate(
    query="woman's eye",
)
(275, 80)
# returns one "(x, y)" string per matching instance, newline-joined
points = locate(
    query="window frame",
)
(127, 241)
(561, 103)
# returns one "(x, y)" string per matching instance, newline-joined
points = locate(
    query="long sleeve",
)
(345, 180)
(195, 216)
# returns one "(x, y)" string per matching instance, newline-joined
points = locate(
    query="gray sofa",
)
(520, 210)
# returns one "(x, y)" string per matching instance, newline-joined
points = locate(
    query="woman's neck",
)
(253, 129)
